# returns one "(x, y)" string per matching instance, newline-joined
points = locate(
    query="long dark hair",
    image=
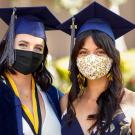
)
(42, 76)
(110, 99)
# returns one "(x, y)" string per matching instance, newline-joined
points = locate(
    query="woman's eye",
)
(23, 45)
(82, 52)
(38, 49)
(100, 52)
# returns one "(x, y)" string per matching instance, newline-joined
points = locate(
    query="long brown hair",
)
(110, 99)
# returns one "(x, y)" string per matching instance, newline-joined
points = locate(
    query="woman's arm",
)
(131, 101)
(133, 126)
(133, 117)
(128, 106)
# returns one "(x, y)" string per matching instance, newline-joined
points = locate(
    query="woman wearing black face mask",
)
(29, 104)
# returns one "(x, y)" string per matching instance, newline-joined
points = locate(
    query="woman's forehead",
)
(29, 38)
(89, 44)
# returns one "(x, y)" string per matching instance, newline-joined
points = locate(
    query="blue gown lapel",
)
(52, 94)
(18, 115)
(53, 105)
(10, 112)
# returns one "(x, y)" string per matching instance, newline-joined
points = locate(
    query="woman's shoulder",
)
(128, 104)
(128, 97)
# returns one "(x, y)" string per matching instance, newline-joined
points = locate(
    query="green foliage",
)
(61, 67)
(128, 68)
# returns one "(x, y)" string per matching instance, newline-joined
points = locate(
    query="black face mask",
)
(27, 62)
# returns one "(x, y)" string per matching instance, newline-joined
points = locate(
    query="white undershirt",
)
(51, 124)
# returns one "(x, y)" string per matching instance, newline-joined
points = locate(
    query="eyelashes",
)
(36, 48)
(98, 52)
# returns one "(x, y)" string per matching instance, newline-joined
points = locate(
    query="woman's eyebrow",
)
(39, 45)
(83, 48)
(24, 41)
(98, 48)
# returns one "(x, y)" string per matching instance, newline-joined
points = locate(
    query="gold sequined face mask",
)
(93, 66)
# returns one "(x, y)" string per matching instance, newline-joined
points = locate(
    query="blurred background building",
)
(59, 42)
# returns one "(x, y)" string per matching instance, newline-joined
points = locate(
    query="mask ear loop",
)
(8, 53)
(73, 27)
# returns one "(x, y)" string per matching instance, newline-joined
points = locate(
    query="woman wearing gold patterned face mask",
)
(97, 103)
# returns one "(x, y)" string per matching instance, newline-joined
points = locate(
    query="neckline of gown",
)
(120, 116)
(79, 127)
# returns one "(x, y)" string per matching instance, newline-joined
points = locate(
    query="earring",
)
(109, 76)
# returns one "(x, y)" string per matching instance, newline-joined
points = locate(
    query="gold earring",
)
(109, 76)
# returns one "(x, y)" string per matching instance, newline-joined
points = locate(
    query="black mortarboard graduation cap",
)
(96, 17)
(26, 20)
